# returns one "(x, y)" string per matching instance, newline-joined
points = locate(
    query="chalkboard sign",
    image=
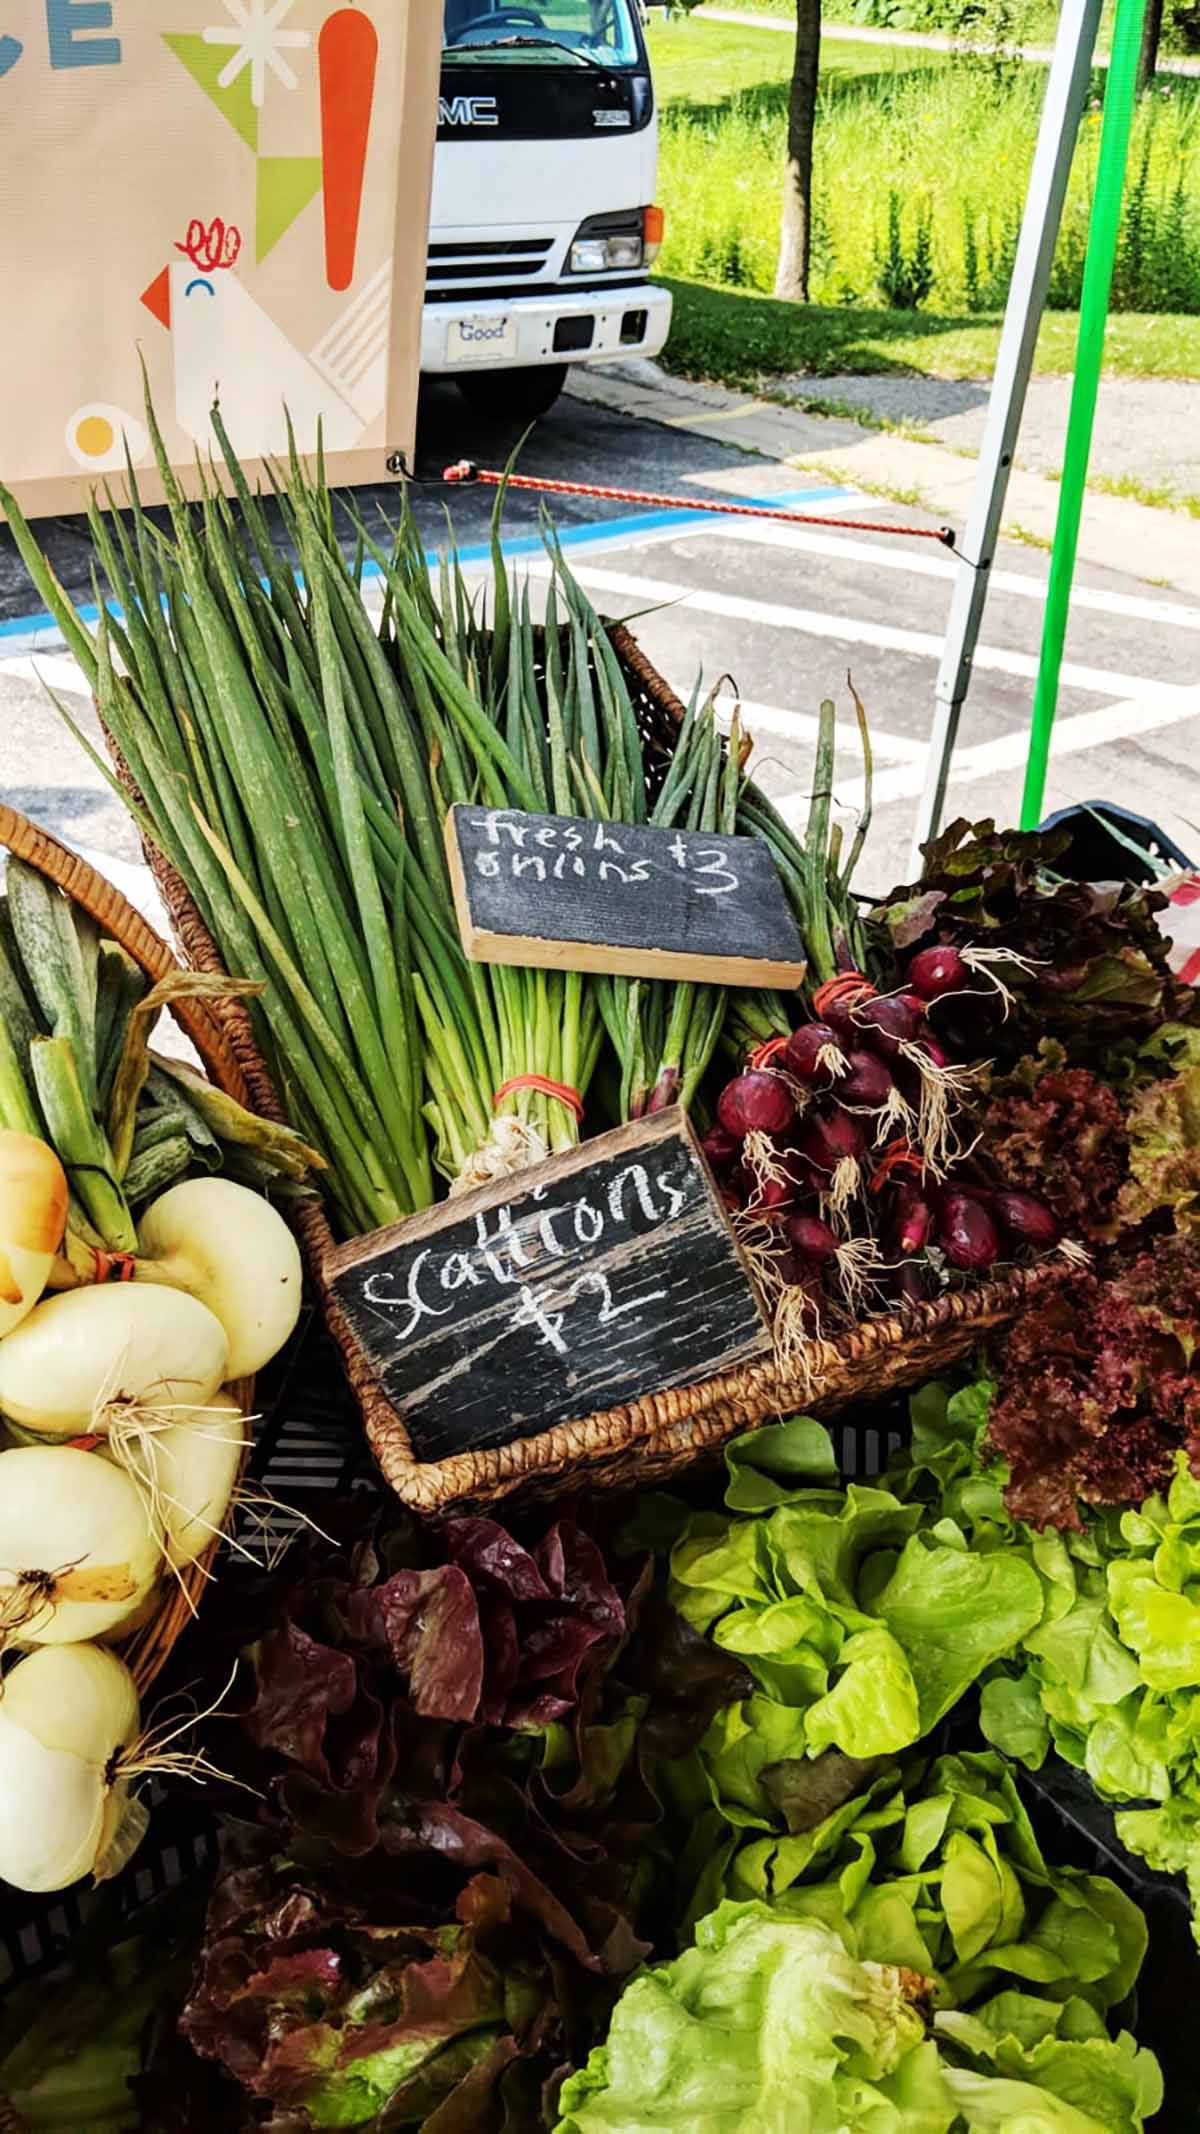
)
(559, 893)
(580, 1283)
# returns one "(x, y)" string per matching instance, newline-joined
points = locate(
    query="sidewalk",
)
(1161, 547)
(911, 40)
(1147, 430)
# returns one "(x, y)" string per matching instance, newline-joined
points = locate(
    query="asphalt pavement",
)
(784, 613)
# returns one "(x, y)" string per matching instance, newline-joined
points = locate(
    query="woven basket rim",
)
(148, 1648)
(751, 1393)
(737, 1399)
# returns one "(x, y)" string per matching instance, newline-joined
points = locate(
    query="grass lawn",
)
(736, 339)
(705, 63)
(912, 149)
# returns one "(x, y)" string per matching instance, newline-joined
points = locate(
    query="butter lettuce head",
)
(861, 1624)
(769, 2023)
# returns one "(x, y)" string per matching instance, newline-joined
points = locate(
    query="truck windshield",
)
(554, 33)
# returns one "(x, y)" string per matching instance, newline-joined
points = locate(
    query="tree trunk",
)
(795, 237)
(1152, 23)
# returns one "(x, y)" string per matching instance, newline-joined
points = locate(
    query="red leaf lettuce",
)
(460, 1858)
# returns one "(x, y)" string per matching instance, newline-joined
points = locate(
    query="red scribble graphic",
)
(217, 245)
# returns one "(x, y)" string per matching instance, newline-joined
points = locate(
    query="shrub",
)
(920, 177)
(906, 272)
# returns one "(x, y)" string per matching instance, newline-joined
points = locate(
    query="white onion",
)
(187, 1469)
(116, 1344)
(78, 1551)
(33, 1214)
(230, 1248)
(65, 1810)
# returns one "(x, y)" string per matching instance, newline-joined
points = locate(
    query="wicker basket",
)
(662, 1433)
(147, 1650)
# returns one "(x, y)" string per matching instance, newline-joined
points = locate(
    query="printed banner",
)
(235, 192)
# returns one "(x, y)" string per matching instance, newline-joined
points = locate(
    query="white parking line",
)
(919, 564)
(1082, 730)
(847, 629)
(55, 670)
(803, 726)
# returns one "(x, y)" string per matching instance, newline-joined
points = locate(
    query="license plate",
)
(489, 337)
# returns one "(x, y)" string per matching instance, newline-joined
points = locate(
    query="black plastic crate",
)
(1101, 834)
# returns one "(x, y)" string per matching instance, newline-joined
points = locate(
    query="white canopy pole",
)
(1066, 95)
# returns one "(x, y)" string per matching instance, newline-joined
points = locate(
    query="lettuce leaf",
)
(766, 2023)
(954, 1613)
(462, 1856)
(1109, 1676)
(861, 1625)
(771, 2022)
(1163, 1126)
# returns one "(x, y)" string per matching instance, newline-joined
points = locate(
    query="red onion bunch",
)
(827, 1148)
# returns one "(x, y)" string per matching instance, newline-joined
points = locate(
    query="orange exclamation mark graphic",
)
(347, 49)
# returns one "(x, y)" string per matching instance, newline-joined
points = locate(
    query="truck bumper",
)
(593, 326)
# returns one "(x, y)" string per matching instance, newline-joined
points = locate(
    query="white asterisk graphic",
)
(258, 43)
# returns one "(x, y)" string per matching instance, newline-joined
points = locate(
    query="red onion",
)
(839, 1017)
(796, 1271)
(910, 1283)
(811, 1237)
(934, 1053)
(721, 1148)
(766, 1196)
(1025, 1217)
(868, 1083)
(888, 1023)
(967, 1234)
(828, 1136)
(934, 971)
(913, 1220)
(755, 1102)
(802, 1055)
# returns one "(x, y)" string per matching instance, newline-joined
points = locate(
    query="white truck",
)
(543, 221)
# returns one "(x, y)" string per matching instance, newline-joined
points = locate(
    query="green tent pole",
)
(1119, 100)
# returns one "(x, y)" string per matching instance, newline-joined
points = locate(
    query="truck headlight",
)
(606, 243)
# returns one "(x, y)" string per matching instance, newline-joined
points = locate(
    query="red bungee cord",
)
(465, 471)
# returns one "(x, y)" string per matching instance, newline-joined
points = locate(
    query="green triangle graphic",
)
(204, 62)
(284, 185)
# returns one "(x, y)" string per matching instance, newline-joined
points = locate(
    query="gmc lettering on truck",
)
(468, 111)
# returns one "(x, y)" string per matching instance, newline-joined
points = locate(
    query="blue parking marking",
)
(39, 632)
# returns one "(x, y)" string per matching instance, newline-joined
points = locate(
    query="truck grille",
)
(493, 264)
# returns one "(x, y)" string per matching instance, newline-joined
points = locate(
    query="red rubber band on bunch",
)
(849, 986)
(112, 1266)
(762, 1055)
(899, 1157)
(562, 1090)
(83, 1444)
(465, 470)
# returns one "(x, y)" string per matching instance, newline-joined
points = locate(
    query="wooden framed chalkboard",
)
(605, 1273)
(557, 892)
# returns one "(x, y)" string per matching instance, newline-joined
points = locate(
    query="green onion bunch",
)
(295, 761)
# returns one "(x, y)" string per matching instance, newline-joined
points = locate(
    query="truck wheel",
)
(524, 392)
